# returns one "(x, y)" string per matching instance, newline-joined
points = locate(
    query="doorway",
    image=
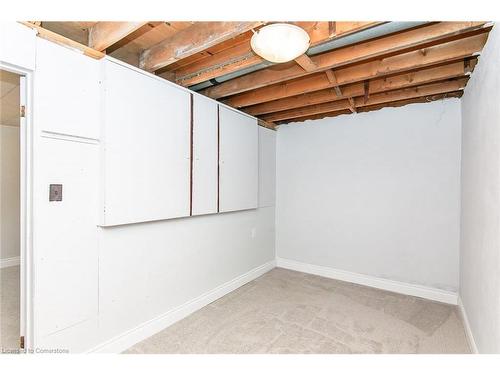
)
(12, 206)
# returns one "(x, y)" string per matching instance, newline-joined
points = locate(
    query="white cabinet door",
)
(238, 161)
(146, 148)
(204, 200)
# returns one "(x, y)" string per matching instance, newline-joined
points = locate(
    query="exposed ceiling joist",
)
(384, 97)
(266, 124)
(351, 104)
(407, 40)
(399, 103)
(449, 51)
(330, 75)
(400, 63)
(63, 41)
(419, 77)
(241, 56)
(104, 34)
(194, 39)
(306, 63)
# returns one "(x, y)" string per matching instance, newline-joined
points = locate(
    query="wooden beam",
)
(241, 56)
(399, 103)
(235, 58)
(65, 42)
(408, 40)
(187, 42)
(351, 105)
(445, 52)
(266, 124)
(330, 75)
(384, 97)
(395, 82)
(104, 34)
(366, 88)
(306, 63)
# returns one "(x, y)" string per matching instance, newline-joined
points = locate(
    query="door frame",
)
(26, 204)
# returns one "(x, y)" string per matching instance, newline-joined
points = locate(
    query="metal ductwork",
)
(360, 36)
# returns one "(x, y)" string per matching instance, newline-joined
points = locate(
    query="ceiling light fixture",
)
(280, 42)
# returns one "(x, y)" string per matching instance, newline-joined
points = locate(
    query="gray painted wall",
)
(480, 233)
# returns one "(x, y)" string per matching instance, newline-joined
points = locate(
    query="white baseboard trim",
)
(124, 341)
(468, 331)
(371, 281)
(9, 262)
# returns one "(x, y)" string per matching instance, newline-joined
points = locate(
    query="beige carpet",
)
(291, 312)
(9, 308)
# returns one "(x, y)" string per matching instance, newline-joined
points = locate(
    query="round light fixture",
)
(280, 42)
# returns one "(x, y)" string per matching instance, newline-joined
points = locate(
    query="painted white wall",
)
(9, 192)
(267, 167)
(17, 44)
(95, 284)
(480, 226)
(374, 193)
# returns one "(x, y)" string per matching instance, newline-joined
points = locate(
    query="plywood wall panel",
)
(205, 145)
(146, 153)
(238, 161)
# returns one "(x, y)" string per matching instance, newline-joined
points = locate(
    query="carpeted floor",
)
(291, 312)
(9, 308)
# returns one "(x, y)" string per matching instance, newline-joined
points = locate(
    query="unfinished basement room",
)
(250, 187)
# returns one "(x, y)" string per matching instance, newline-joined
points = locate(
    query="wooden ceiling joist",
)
(330, 75)
(104, 34)
(306, 63)
(419, 77)
(399, 103)
(417, 64)
(241, 56)
(389, 45)
(63, 41)
(191, 40)
(406, 61)
(384, 97)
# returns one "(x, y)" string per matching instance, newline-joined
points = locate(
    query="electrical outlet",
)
(55, 192)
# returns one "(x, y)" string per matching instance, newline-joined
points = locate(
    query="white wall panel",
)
(267, 167)
(205, 145)
(67, 91)
(146, 148)
(65, 235)
(238, 161)
(149, 269)
(480, 225)
(374, 193)
(17, 44)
